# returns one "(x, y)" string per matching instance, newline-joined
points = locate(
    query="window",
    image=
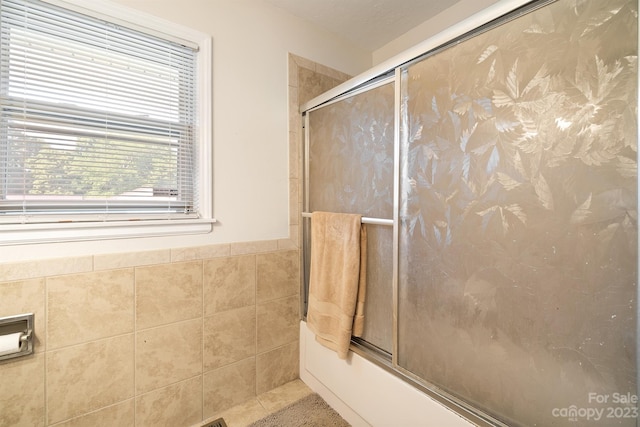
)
(102, 125)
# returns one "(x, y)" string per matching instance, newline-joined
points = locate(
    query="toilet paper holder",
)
(21, 323)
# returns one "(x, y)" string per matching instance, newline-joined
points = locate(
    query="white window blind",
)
(97, 120)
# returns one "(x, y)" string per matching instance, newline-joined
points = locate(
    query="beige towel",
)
(337, 279)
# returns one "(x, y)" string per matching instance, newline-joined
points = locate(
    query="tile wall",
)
(134, 339)
(168, 337)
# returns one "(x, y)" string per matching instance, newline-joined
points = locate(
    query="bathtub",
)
(365, 394)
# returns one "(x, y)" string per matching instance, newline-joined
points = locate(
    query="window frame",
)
(67, 229)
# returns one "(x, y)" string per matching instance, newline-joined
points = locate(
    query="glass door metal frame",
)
(388, 362)
(395, 70)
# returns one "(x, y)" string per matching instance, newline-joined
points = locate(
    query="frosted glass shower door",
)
(518, 221)
(350, 170)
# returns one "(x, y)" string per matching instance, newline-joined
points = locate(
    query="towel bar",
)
(365, 220)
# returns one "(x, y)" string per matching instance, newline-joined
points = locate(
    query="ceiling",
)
(369, 24)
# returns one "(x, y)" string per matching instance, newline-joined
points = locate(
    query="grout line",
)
(202, 403)
(153, 390)
(46, 348)
(255, 307)
(135, 346)
(94, 411)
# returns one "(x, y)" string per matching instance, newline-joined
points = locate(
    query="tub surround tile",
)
(264, 404)
(278, 323)
(288, 244)
(294, 154)
(277, 275)
(284, 395)
(294, 235)
(89, 306)
(229, 337)
(22, 399)
(312, 84)
(168, 293)
(168, 354)
(243, 414)
(131, 259)
(229, 283)
(277, 367)
(86, 377)
(295, 119)
(229, 386)
(200, 252)
(244, 248)
(295, 122)
(294, 202)
(121, 415)
(27, 296)
(294, 106)
(332, 73)
(292, 70)
(46, 267)
(303, 62)
(178, 405)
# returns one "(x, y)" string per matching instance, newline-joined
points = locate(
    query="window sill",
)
(84, 231)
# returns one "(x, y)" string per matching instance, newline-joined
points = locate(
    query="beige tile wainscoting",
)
(147, 339)
(264, 404)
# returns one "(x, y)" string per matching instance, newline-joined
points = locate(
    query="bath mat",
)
(310, 411)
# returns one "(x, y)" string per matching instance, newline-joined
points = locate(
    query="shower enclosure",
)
(497, 176)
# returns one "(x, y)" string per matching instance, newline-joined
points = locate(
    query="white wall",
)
(251, 41)
(448, 17)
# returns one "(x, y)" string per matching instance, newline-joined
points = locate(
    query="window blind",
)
(97, 120)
